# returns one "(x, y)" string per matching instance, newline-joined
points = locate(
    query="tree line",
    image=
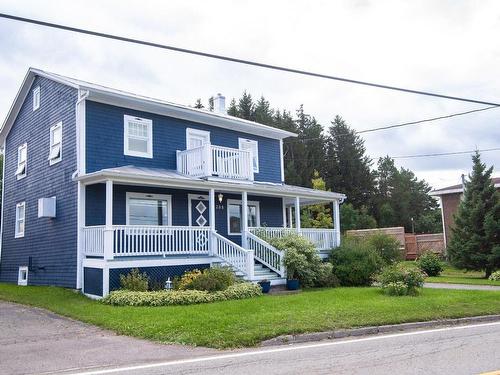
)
(378, 194)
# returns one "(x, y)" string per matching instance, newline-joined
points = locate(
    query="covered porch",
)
(131, 213)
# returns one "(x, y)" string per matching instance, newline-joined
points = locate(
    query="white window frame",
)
(21, 280)
(36, 98)
(239, 203)
(19, 234)
(19, 162)
(254, 156)
(190, 132)
(54, 160)
(149, 123)
(163, 197)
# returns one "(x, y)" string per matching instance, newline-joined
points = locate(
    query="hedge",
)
(181, 297)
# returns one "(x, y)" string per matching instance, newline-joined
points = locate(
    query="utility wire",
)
(240, 61)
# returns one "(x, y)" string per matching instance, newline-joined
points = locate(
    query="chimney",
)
(220, 104)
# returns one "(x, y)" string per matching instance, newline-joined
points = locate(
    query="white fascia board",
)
(198, 184)
(444, 192)
(150, 105)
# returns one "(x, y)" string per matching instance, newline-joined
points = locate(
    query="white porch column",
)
(336, 220)
(211, 213)
(297, 214)
(81, 225)
(284, 212)
(244, 219)
(290, 217)
(108, 230)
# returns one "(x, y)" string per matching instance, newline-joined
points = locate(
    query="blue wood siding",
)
(104, 141)
(271, 208)
(51, 243)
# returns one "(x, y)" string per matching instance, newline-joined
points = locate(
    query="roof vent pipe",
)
(220, 104)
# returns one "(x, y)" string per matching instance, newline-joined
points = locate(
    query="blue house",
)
(98, 181)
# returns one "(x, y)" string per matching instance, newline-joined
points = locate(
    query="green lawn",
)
(247, 322)
(452, 275)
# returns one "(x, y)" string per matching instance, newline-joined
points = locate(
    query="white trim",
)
(22, 276)
(149, 124)
(163, 197)
(36, 98)
(190, 132)
(282, 162)
(238, 202)
(80, 109)
(284, 211)
(16, 233)
(54, 160)
(242, 141)
(79, 238)
(3, 200)
(133, 263)
(201, 197)
(19, 175)
(443, 223)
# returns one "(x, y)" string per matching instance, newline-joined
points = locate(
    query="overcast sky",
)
(449, 47)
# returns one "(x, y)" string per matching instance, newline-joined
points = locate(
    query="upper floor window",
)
(22, 160)
(253, 147)
(36, 98)
(55, 152)
(138, 137)
(20, 219)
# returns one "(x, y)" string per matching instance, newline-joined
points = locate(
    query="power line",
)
(240, 61)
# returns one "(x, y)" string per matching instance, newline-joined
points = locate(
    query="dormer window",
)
(22, 160)
(138, 137)
(253, 147)
(36, 98)
(55, 152)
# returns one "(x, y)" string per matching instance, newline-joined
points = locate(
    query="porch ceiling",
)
(131, 175)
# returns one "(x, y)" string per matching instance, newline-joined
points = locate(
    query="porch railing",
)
(210, 160)
(93, 240)
(239, 258)
(323, 239)
(266, 254)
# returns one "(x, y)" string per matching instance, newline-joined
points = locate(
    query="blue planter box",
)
(292, 284)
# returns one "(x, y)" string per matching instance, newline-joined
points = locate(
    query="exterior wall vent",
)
(47, 207)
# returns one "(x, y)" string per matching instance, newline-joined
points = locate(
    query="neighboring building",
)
(450, 199)
(98, 181)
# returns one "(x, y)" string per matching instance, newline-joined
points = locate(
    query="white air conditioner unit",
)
(47, 207)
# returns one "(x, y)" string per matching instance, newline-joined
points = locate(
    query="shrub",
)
(355, 262)
(495, 276)
(300, 258)
(430, 263)
(211, 279)
(181, 297)
(325, 277)
(411, 277)
(134, 281)
(388, 247)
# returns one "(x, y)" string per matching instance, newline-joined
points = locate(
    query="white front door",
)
(196, 138)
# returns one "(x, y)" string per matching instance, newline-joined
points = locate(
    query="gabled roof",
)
(159, 177)
(125, 99)
(454, 189)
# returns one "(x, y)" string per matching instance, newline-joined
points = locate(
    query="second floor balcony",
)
(216, 161)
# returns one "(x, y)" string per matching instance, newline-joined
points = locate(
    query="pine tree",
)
(246, 107)
(198, 104)
(348, 166)
(211, 104)
(318, 215)
(475, 242)
(232, 110)
(263, 113)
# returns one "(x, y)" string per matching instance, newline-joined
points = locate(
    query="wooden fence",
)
(412, 244)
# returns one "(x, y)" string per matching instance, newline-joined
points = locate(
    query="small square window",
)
(22, 160)
(22, 276)
(20, 219)
(138, 137)
(55, 151)
(36, 98)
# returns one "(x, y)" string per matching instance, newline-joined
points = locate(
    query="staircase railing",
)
(266, 254)
(241, 259)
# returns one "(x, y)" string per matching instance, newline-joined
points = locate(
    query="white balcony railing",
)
(323, 239)
(209, 160)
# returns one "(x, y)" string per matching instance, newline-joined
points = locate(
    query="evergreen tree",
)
(348, 166)
(318, 215)
(351, 218)
(198, 104)
(246, 107)
(475, 243)
(232, 110)
(263, 113)
(211, 104)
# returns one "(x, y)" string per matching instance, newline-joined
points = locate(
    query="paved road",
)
(461, 286)
(34, 341)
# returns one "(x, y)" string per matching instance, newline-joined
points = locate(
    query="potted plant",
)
(293, 262)
(265, 285)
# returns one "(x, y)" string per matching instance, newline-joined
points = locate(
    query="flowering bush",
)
(181, 297)
(495, 276)
(430, 263)
(412, 279)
